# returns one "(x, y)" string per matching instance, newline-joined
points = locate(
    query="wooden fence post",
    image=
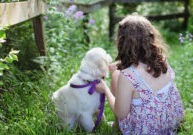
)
(186, 11)
(39, 35)
(111, 20)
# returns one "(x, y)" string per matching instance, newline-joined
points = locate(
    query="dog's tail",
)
(55, 96)
(60, 104)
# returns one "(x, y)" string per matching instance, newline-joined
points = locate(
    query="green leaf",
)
(3, 66)
(8, 60)
(1, 60)
(1, 73)
(2, 34)
(14, 51)
(1, 83)
(13, 57)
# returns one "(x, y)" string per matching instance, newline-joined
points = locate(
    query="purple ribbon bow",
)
(91, 90)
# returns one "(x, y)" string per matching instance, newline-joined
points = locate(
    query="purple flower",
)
(181, 38)
(67, 13)
(78, 15)
(70, 10)
(72, 1)
(45, 17)
(190, 39)
(91, 21)
(190, 34)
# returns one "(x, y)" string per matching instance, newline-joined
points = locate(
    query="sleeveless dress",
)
(153, 113)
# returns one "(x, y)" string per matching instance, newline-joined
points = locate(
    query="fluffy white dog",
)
(76, 104)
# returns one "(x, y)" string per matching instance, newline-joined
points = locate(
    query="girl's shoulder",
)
(142, 68)
(139, 76)
(129, 76)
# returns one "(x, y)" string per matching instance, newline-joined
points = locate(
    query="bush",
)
(9, 58)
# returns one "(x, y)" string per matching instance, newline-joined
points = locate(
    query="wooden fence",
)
(18, 12)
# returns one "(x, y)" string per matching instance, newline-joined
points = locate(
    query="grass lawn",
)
(27, 109)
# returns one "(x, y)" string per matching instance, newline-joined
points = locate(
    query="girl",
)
(144, 96)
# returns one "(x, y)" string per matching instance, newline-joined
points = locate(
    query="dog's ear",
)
(109, 58)
(104, 67)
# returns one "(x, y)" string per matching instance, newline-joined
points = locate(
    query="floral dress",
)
(153, 113)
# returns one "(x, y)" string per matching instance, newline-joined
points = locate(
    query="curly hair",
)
(139, 41)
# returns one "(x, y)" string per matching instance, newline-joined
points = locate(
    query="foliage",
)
(27, 107)
(12, 55)
(154, 8)
(124, 9)
(182, 61)
(67, 42)
(21, 37)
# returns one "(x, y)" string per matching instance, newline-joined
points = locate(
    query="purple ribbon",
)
(102, 105)
(91, 90)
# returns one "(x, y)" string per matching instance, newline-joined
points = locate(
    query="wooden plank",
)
(134, 1)
(157, 17)
(86, 8)
(16, 12)
(39, 35)
(166, 17)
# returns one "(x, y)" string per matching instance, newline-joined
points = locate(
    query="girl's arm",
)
(123, 99)
(114, 81)
(120, 105)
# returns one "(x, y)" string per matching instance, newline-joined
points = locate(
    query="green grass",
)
(27, 109)
(184, 82)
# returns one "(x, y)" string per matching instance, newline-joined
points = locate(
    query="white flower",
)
(2, 40)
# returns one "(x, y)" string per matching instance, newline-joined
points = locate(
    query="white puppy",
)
(76, 104)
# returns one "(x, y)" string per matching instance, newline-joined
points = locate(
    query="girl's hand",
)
(113, 66)
(101, 87)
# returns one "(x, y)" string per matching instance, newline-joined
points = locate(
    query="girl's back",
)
(154, 83)
(156, 105)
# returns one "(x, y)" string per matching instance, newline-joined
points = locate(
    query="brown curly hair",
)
(139, 41)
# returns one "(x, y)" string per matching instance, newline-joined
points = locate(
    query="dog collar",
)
(92, 85)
